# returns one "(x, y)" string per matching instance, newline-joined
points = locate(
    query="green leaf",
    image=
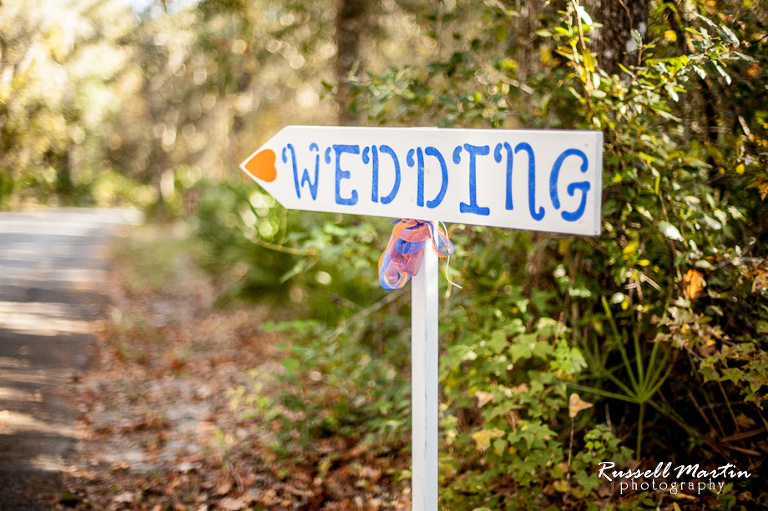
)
(291, 365)
(542, 350)
(671, 91)
(499, 445)
(722, 72)
(585, 17)
(705, 20)
(670, 231)
(498, 341)
(520, 350)
(744, 56)
(700, 71)
(727, 34)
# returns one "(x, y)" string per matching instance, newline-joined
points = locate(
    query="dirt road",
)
(52, 268)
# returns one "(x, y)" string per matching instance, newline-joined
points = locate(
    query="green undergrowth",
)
(645, 344)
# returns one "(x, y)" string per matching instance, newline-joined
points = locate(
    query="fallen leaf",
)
(126, 497)
(744, 421)
(576, 404)
(186, 466)
(604, 491)
(483, 398)
(520, 389)
(693, 284)
(224, 487)
(231, 504)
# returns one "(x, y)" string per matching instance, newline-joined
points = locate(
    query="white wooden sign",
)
(534, 180)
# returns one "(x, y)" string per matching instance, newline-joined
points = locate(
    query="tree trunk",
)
(350, 24)
(613, 41)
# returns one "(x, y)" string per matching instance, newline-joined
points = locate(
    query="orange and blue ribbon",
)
(402, 258)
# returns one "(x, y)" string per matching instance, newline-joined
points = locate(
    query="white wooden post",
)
(424, 388)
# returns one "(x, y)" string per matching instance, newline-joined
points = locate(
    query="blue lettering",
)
(473, 151)
(497, 156)
(374, 172)
(575, 215)
(305, 179)
(535, 214)
(420, 174)
(431, 151)
(457, 155)
(583, 186)
(343, 174)
(396, 187)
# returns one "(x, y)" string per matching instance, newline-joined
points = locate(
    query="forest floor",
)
(157, 425)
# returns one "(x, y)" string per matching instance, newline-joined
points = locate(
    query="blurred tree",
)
(208, 84)
(352, 22)
(56, 64)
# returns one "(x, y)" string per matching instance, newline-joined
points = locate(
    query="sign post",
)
(424, 387)
(535, 180)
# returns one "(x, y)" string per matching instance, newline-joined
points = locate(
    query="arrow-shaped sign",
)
(536, 180)
(521, 179)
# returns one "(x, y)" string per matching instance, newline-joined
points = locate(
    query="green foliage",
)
(261, 250)
(657, 316)
(354, 347)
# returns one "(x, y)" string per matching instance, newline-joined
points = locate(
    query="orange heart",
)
(262, 166)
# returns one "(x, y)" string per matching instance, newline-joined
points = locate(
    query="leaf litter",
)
(156, 426)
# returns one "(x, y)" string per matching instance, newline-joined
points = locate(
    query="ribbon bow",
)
(402, 258)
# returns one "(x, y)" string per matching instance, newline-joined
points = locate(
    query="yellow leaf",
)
(483, 437)
(589, 61)
(631, 247)
(670, 35)
(761, 183)
(761, 282)
(576, 404)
